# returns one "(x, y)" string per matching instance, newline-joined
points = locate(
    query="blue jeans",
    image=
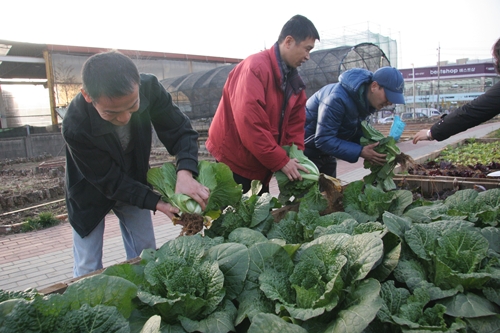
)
(137, 232)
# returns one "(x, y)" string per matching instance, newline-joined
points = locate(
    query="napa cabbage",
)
(326, 275)
(288, 188)
(191, 281)
(216, 176)
(99, 303)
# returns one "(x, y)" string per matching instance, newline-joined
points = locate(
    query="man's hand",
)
(187, 185)
(291, 169)
(167, 209)
(369, 154)
(420, 136)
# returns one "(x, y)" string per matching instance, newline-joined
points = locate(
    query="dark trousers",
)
(246, 183)
(326, 164)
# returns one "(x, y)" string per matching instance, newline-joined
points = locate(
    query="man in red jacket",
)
(263, 108)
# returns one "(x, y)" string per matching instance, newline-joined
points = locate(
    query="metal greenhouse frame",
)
(198, 94)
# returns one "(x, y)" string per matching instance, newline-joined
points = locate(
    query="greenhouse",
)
(198, 94)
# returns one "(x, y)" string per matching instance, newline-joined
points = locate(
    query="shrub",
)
(42, 221)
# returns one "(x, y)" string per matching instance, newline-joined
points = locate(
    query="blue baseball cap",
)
(392, 81)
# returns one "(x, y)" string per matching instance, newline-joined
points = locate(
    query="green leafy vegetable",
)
(191, 281)
(471, 153)
(253, 212)
(98, 303)
(216, 176)
(366, 202)
(185, 204)
(288, 188)
(382, 175)
(401, 309)
(267, 322)
(384, 264)
(326, 275)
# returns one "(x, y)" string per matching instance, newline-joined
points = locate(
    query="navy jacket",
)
(95, 177)
(334, 115)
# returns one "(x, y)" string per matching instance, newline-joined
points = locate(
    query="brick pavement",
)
(40, 259)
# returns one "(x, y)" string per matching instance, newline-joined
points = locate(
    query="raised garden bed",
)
(432, 178)
(437, 186)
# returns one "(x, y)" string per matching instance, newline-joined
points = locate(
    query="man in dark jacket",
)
(335, 112)
(108, 135)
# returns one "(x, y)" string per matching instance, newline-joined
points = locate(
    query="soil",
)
(476, 172)
(29, 187)
(191, 224)
(448, 169)
(36, 183)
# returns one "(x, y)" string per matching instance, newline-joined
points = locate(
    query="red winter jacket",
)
(244, 131)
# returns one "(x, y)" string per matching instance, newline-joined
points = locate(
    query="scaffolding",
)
(357, 34)
(325, 66)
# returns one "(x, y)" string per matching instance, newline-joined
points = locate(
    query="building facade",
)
(447, 87)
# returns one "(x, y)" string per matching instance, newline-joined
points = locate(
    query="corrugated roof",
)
(19, 60)
(18, 69)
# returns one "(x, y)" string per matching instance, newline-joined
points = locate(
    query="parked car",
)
(429, 112)
(435, 113)
(409, 115)
(386, 120)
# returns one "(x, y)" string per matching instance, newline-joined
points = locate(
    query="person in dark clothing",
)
(108, 135)
(335, 112)
(481, 109)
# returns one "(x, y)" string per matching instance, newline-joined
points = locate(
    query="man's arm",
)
(177, 134)
(331, 113)
(482, 109)
(253, 121)
(173, 128)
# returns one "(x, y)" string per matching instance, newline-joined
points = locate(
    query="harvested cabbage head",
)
(288, 188)
(216, 176)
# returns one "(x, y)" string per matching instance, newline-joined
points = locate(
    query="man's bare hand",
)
(187, 185)
(369, 154)
(291, 169)
(420, 136)
(167, 209)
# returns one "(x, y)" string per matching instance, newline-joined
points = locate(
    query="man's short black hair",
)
(300, 28)
(110, 74)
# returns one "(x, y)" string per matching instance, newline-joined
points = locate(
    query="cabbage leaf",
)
(216, 176)
(296, 189)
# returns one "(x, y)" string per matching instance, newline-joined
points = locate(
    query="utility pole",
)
(413, 78)
(50, 85)
(439, 72)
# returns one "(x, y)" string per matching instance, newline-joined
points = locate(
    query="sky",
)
(424, 30)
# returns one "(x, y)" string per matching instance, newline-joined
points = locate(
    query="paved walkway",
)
(43, 258)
